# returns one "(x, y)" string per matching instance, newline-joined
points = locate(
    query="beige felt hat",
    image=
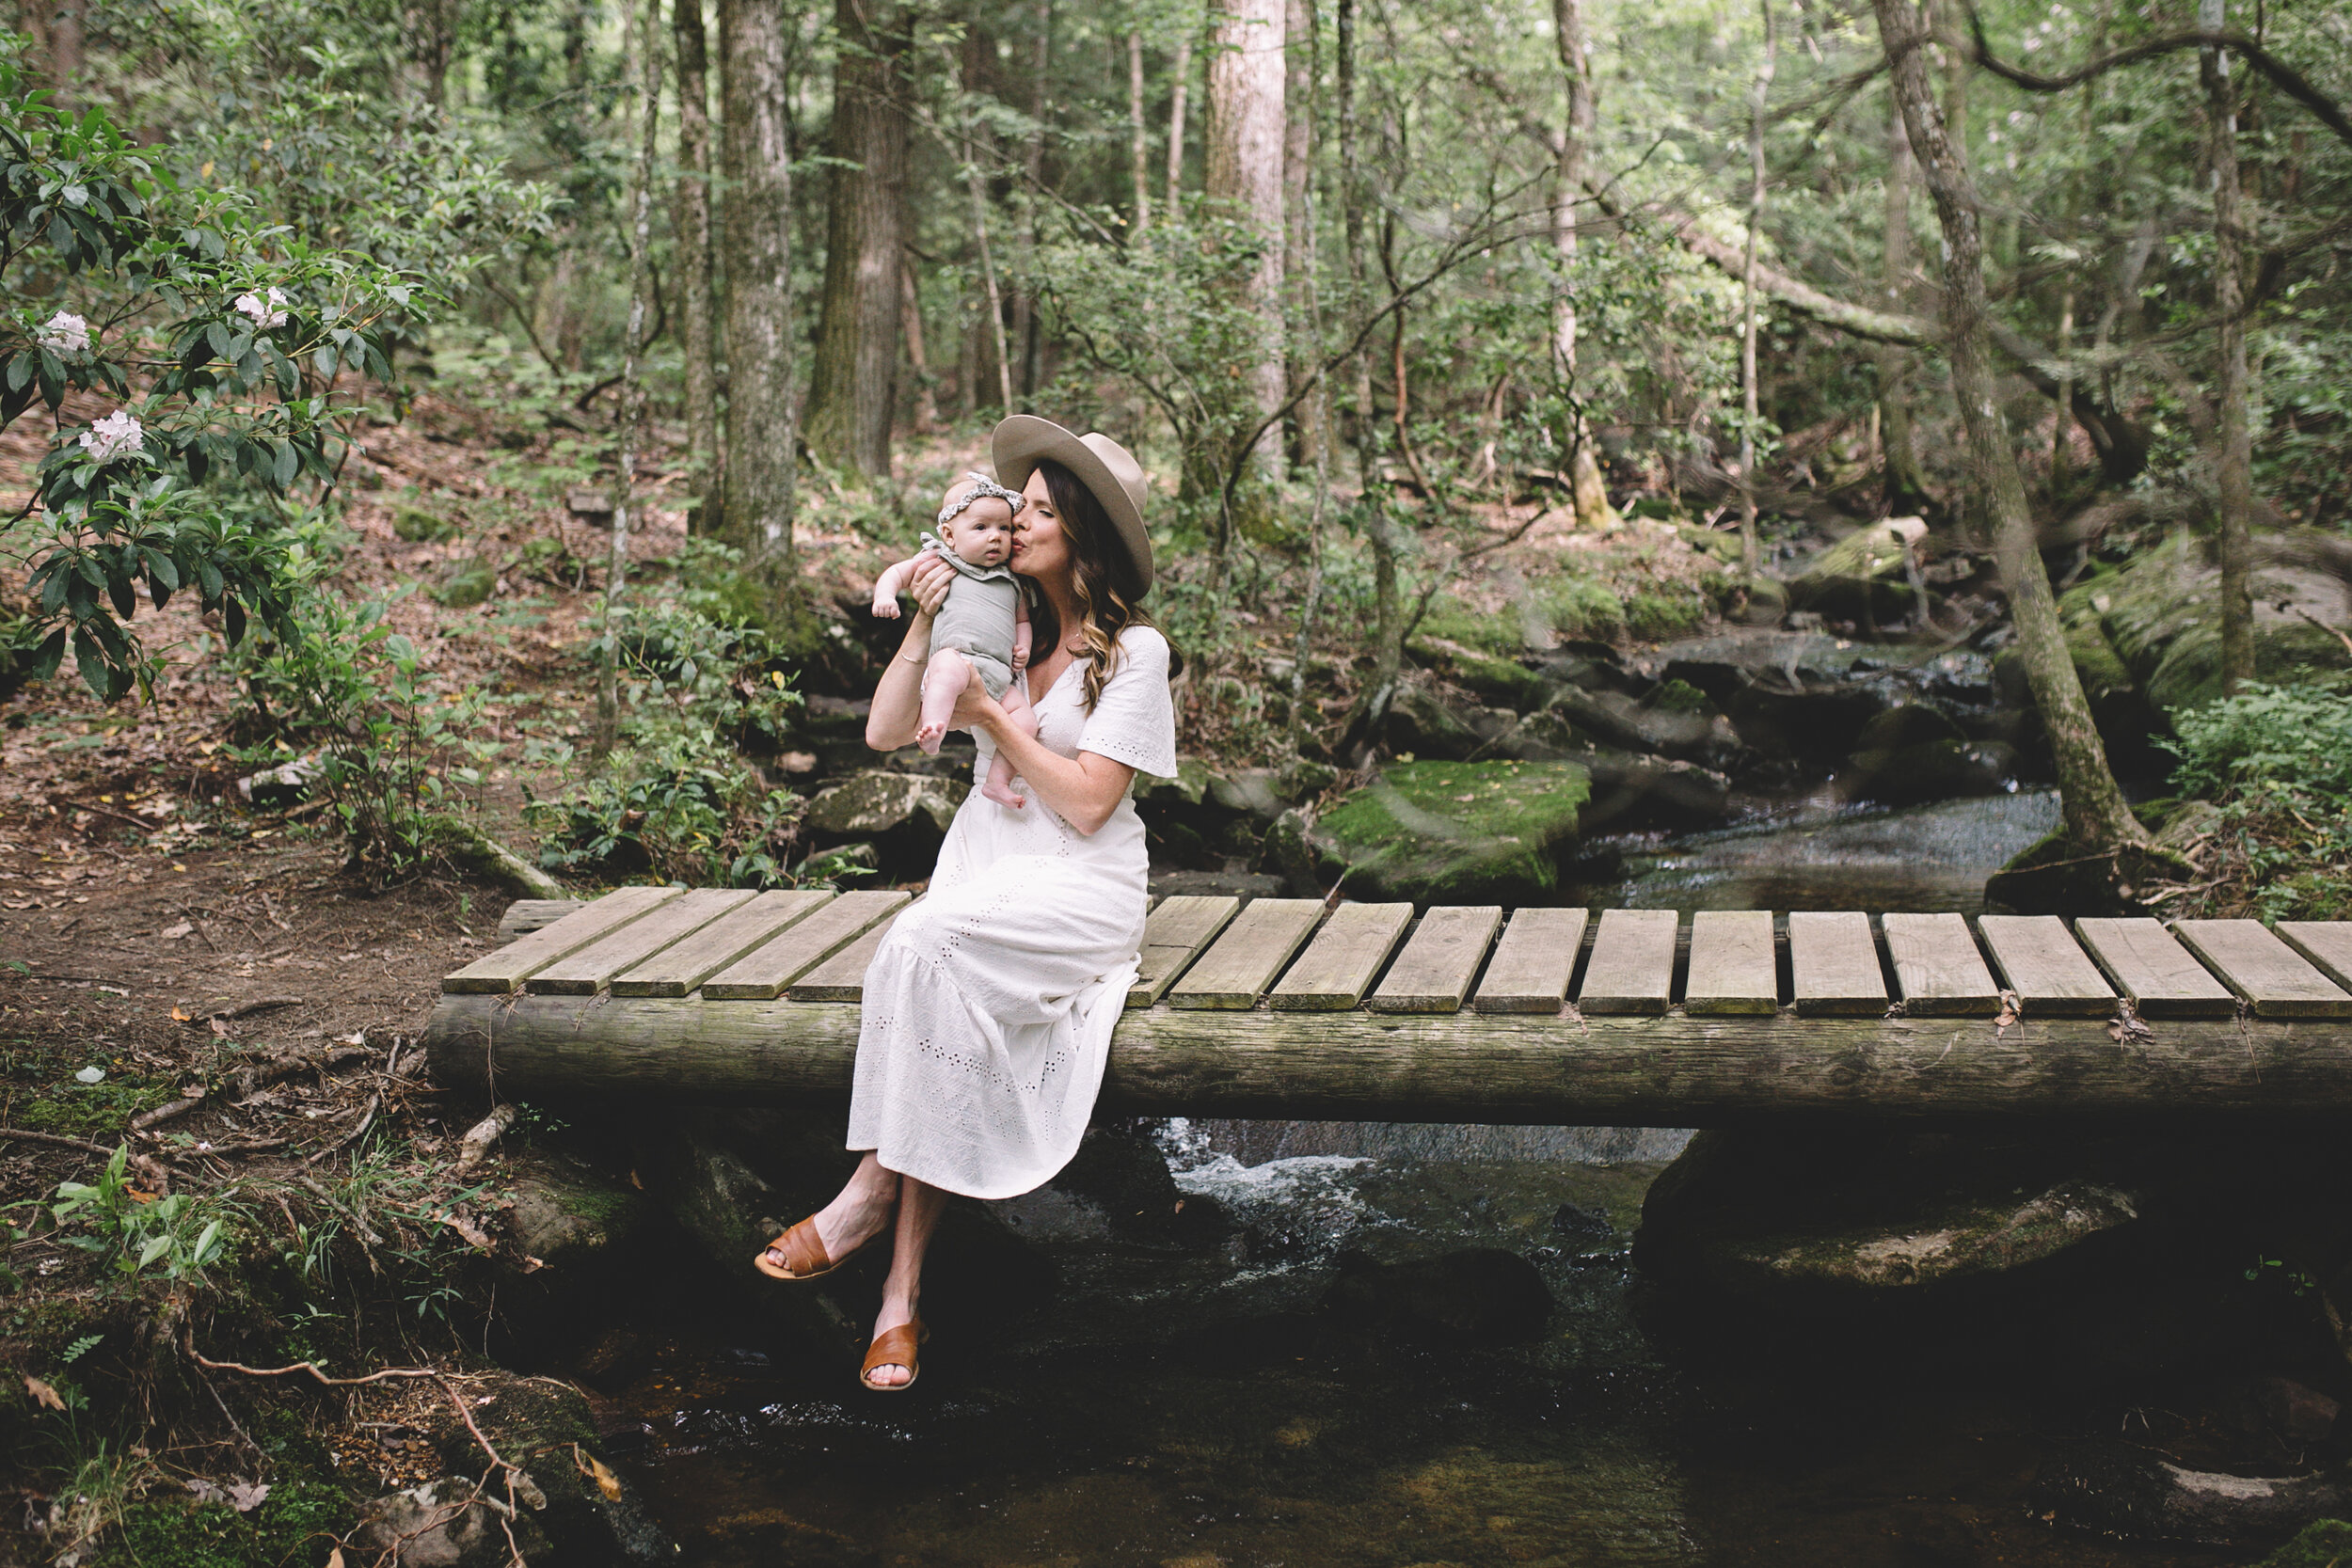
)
(1108, 470)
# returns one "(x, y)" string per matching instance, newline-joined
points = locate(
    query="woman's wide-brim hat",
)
(1108, 470)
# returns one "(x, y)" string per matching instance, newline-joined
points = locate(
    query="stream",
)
(1184, 1407)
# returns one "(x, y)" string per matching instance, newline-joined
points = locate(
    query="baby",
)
(982, 632)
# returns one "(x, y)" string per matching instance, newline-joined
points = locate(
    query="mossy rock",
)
(1498, 680)
(1663, 617)
(467, 584)
(419, 527)
(1583, 607)
(1453, 833)
(2323, 1543)
(2160, 613)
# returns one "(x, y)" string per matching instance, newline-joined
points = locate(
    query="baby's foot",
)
(1003, 795)
(929, 737)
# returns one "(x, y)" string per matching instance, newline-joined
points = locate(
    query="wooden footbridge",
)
(1285, 1008)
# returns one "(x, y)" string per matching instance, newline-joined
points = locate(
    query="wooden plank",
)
(2326, 942)
(1732, 966)
(1834, 964)
(590, 970)
(1332, 976)
(507, 967)
(2039, 961)
(2160, 976)
(676, 970)
(1245, 960)
(526, 915)
(762, 973)
(842, 977)
(1533, 963)
(1632, 966)
(1937, 967)
(2271, 975)
(1435, 971)
(1179, 929)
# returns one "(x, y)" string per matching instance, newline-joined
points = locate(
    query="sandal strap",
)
(894, 1347)
(803, 1252)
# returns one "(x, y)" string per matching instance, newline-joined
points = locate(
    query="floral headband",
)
(981, 486)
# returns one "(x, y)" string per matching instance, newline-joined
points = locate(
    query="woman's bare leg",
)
(944, 681)
(857, 1212)
(919, 1208)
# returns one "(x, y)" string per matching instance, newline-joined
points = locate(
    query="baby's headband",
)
(980, 486)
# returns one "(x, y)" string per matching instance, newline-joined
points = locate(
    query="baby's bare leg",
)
(944, 681)
(1000, 785)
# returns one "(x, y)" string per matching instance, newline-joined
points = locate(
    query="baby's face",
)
(981, 534)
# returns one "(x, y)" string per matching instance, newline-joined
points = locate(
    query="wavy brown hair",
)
(1103, 578)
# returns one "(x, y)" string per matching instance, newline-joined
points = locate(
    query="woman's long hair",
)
(1097, 571)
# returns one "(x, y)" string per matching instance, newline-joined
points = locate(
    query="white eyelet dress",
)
(989, 1007)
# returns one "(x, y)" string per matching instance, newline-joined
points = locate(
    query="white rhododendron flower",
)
(64, 333)
(115, 436)
(270, 314)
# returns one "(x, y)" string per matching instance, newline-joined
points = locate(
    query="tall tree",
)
(2234, 476)
(1179, 100)
(1758, 96)
(1587, 495)
(1025, 311)
(1902, 491)
(853, 380)
(763, 437)
(1139, 135)
(2097, 821)
(699, 327)
(1380, 526)
(1298, 231)
(647, 41)
(1247, 128)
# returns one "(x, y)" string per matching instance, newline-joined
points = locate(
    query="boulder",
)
(1444, 832)
(1421, 726)
(1503, 682)
(1864, 576)
(2159, 616)
(1913, 752)
(568, 1216)
(905, 815)
(1675, 719)
(1477, 1296)
(446, 1523)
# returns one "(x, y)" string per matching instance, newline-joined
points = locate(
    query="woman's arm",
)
(898, 696)
(1082, 790)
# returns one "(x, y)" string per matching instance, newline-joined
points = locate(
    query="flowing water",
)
(1206, 1401)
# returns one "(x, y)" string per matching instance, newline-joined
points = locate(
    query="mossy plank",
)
(2156, 973)
(1533, 963)
(1237, 969)
(1833, 963)
(1179, 929)
(1937, 967)
(678, 970)
(762, 973)
(1734, 968)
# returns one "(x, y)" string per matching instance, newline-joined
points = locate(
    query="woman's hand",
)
(929, 585)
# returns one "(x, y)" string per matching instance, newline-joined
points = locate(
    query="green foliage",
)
(295, 1523)
(130, 1232)
(393, 754)
(2277, 760)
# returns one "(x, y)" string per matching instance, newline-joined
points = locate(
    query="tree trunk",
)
(763, 440)
(1025, 322)
(1905, 494)
(853, 387)
(1179, 99)
(1588, 496)
(2096, 818)
(988, 341)
(1245, 184)
(1380, 528)
(1138, 138)
(1298, 231)
(1758, 97)
(2234, 475)
(911, 328)
(698, 327)
(648, 43)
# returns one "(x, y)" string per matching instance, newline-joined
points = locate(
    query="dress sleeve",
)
(1135, 721)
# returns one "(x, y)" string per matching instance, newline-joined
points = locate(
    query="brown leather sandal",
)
(804, 1254)
(895, 1347)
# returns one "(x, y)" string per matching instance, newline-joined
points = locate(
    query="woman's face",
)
(1040, 548)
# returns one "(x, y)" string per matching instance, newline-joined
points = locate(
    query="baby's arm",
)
(1020, 634)
(886, 587)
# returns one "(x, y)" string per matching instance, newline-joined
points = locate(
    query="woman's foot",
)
(890, 1376)
(857, 1215)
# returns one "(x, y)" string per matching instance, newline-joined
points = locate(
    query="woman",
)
(989, 1007)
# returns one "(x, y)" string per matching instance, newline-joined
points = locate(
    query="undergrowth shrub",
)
(2277, 762)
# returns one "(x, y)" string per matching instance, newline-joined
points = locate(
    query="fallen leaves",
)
(597, 1472)
(43, 1394)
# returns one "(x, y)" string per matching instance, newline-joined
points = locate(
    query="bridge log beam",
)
(1636, 1071)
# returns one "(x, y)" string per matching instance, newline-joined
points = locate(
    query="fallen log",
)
(1638, 1071)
